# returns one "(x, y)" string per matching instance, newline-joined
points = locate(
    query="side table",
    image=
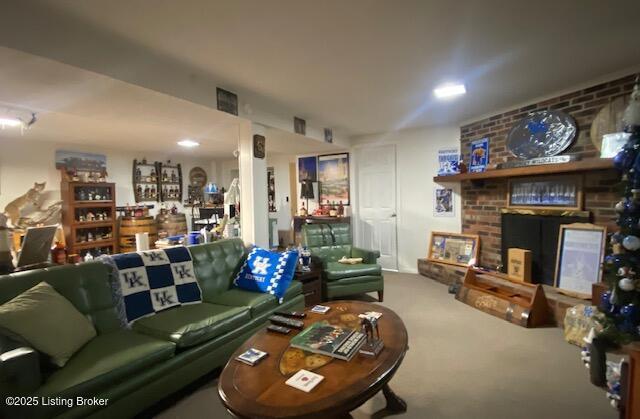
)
(311, 286)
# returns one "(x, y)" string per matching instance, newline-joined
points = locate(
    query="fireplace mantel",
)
(585, 165)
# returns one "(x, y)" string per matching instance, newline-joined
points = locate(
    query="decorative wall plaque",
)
(259, 147)
(299, 126)
(541, 134)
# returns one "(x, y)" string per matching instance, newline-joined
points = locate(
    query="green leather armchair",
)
(328, 243)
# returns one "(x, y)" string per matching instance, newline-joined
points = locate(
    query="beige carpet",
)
(463, 363)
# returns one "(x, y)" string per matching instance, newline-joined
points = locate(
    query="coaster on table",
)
(320, 309)
(304, 380)
(252, 356)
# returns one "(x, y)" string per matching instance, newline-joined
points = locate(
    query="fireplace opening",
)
(538, 233)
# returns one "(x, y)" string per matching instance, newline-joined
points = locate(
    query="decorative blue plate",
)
(541, 134)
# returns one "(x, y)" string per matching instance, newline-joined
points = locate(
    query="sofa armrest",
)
(368, 256)
(19, 368)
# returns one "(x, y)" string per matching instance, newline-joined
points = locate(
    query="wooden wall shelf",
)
(544, 169)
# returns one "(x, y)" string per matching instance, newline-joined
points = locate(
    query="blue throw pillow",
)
(268, 272)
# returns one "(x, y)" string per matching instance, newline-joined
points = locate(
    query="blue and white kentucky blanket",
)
(155, 280)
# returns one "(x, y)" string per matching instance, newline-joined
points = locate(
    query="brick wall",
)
(481, 204)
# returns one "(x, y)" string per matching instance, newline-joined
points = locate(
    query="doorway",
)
(376, 221)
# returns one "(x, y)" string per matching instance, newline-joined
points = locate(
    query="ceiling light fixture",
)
(449, 90)
(188, 143)
(9, 122)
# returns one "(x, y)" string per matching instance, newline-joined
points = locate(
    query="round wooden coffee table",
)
(260, 391)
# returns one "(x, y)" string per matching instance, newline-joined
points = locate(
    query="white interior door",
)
(376, 203)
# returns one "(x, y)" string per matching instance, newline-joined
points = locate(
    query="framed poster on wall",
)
(579, 260)
(333, 177)
(443, 202)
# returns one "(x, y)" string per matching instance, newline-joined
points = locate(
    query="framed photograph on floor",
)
(443, 202)
(454, 248)
(333, 177)
(579, 260)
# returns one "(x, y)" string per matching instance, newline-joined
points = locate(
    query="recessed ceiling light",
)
(10, 122)
(449, 90)
(188, 143)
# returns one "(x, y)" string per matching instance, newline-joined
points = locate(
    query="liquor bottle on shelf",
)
(333, 211)
(82, 195)
(107, 195)
(165, 177)
(153, 175)
(139, 191)
(138, 174)
(340, 210)
(147, 191)
(59, 253)
(174, 178)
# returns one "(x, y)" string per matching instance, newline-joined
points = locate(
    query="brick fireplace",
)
(482, 203)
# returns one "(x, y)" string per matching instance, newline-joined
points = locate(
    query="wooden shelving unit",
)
(170, 182)
(75, 209)
(575, 166)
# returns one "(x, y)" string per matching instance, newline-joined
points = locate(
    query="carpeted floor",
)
(463, 363)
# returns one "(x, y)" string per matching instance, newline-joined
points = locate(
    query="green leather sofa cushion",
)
(216, 265)
(105, 360)
(257, 302)
(294, 289)
(189, 325)
(48, 321)
(337, 270)
(86, 286)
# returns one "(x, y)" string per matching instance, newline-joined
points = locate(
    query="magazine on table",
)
(326, 339)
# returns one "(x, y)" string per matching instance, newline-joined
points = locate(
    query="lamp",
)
(306, 191)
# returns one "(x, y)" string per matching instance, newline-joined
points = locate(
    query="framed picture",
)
(82, 162)
(581, 249)
(308, 169)
(546, 192)
(328, 135)
(448, 162)
(227, 101)
(299, 126)
(333, 177)
(259, 146)
(454, 248)
(443, 202)
(479, 155)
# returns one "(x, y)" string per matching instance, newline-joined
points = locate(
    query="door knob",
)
(393, 215)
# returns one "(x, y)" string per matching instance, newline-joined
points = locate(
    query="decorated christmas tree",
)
(620, 323)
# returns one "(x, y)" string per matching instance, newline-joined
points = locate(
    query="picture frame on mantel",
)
(454, 248)
(581, 249)
(549, 192)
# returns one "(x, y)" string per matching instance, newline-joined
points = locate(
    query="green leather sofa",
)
(330, 242)
(134, 368)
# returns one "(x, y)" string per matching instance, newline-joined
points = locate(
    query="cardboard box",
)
(519, 264)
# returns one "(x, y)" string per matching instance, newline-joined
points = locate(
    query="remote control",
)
(278, 329)
(296, 314)
(287, 322)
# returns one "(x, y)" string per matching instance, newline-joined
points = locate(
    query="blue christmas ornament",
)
(625, 159)
(629, 317)
(617, 238)
(605, 302)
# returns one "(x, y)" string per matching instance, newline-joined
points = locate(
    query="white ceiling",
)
(81, 107)
(370, 65)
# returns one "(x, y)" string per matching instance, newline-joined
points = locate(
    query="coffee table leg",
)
(394, 403)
